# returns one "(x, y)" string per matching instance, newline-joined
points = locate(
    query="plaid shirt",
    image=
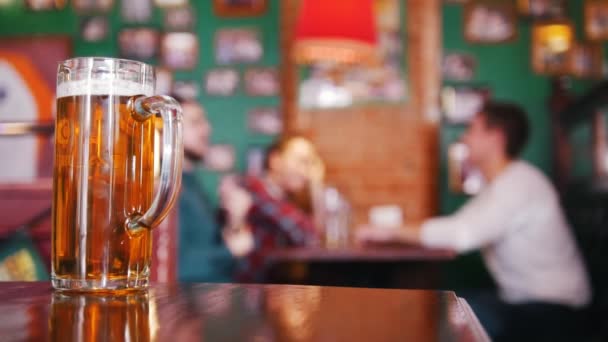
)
(274, 223)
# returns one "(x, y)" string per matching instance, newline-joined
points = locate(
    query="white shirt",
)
(525, 240)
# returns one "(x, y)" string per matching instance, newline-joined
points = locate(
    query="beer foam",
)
(115, 87)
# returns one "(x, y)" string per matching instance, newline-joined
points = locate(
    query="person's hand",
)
(235, 200)
(368, 234)
(239, 241)
(410, 234)
(317, 170)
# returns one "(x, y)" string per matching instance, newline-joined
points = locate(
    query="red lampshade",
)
(335, 30)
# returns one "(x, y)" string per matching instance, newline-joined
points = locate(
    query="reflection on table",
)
(227, 312)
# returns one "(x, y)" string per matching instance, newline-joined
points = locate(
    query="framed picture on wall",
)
(179, 18)
(221, 81)
(164, 81)
(489, 21)
(170, 3)
(266, 120)
(262, 82)
(138, 43)
(587, 60)
(88, 6)
(552, 42)
(43, 5)
(458, 66)
(238, 46)
(187, 90)
(460, 104)
(463, 177)
(220, 158)
(10, 3)
(94, 29)
(179, 50)
(136, 11)
(256, 155)
(596, 19)
(542, 9)
(239, 8)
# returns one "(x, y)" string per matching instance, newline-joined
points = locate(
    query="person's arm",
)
(236, 202)
(478, 223)
(409, 234)
(482, 221)
(316, 186)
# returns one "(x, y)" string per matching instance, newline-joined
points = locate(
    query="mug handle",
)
(144, 108)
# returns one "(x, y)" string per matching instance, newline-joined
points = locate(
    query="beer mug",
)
(104, 205)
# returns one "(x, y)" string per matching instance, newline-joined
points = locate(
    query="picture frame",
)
(221, 81)
(180, 18)
(136, 11)
(186, 90)
(238, 45)
(552, 43)
(463, 176)
(256, 158)
(45, 5)
(265, 120)
(138, 43)
(587, 60)
(220, 158)
(239, 8)
(7, 4)
(179, 50)
(164, 81)
(458, 66)
(460, 104)
(542, 9)
(94, 29)
(92, 6)
(170, 3)
(490, 21)
(596, 19)
(263, 81)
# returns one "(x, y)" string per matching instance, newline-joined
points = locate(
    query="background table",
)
(378, 266)
(228, 312)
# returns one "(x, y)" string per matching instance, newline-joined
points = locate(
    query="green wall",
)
(226, 114)
(506, 69)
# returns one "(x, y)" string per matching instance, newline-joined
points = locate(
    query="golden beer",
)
(103, 184)
(119, 170)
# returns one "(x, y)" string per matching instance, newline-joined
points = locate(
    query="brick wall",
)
(385, 154)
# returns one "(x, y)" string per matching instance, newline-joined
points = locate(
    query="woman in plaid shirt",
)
(260, 213)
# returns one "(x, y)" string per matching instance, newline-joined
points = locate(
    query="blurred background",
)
(387, 131)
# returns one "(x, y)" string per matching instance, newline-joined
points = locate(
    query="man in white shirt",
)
(517, 223)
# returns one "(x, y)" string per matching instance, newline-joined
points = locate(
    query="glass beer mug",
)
(104, 205)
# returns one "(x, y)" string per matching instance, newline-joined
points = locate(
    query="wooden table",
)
(229, 312)
(362, 254)
(382, 266)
